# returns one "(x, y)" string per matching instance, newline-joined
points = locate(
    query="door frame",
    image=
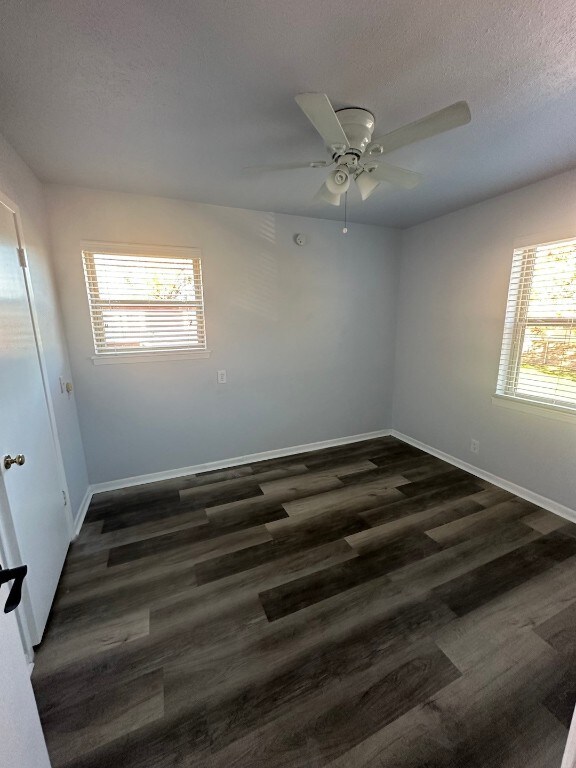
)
(9, 549)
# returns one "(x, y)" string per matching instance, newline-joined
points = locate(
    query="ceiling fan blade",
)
(438, 122)
(325, 196)
(398, 177)
(287, 166)
(366, 185)
(317, 108)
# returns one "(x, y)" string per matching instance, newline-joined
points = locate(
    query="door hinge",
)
(65, 498)
(22, 258)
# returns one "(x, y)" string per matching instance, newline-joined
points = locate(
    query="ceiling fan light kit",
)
(347, 135)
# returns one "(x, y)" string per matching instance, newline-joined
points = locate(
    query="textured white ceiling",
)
(175, 97)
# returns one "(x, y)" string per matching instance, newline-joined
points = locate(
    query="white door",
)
(569, 760)
(34, 522)
(22, 742)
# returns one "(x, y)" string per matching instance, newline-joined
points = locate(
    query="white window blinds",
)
(142, 302)
(538, 361)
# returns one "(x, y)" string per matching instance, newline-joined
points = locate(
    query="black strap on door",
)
(16, 575)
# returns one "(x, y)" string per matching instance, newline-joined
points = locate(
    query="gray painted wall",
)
(453, 290)
(19, 184)
(305, 334)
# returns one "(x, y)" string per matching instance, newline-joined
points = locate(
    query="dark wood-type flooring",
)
(362, 606)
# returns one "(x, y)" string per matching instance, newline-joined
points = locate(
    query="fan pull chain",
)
(345, 228)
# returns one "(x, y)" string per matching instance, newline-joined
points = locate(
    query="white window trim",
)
(516, 402)
(149, 357)
(140, 249)
(534, 407)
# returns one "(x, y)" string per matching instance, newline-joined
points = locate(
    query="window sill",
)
(556, 412)
(150, 357)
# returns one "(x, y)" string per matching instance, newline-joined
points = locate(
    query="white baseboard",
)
(517, 490)
(81, 512)
(128, 482)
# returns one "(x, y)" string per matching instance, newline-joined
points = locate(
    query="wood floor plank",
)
(213, 495)
(483, 718)
(139, 531)
(157, 520)
(222, 566)
(460, 559)
(475, 637)
(149, 499)
(73, 613)
(237, 486)
(437, 480)
(562, 698)
(491, 496)
(271, 501)
(412, 468)
(385, 446)
(543, 521)
(308, 590)
(79, 567)
(327, 526)
(97, 720)
(488, 581)
(479, 522)
(309, 480)
(559, 630)
(92, 641)
(248, 658)
(372, 539)
(261, 703)
(192, 537)
(354, 499)
(329, 725)
(521, 676)
(121, 580)
(162, 744)
(218, 593)
(399, 507)
(217, 475)
(367, 712)
(527, 736)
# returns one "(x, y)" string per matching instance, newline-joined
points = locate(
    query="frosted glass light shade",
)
(338, 182)
(327, 196)
(366, 185)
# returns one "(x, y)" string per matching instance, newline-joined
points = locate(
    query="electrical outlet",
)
(475, 446)
(222, 377)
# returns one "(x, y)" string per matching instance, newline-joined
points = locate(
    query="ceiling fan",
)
(347, 134)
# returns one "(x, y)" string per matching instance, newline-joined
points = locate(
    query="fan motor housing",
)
(358, 125)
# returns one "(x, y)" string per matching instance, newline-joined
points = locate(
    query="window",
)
(538, 361)
(144, 300)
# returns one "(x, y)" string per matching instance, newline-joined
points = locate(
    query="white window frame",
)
(516, 321)
(159, 251)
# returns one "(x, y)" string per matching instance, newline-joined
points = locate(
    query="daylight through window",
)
(538, 361)
(145, 303)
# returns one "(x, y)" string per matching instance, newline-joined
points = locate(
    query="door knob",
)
(8, 460)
